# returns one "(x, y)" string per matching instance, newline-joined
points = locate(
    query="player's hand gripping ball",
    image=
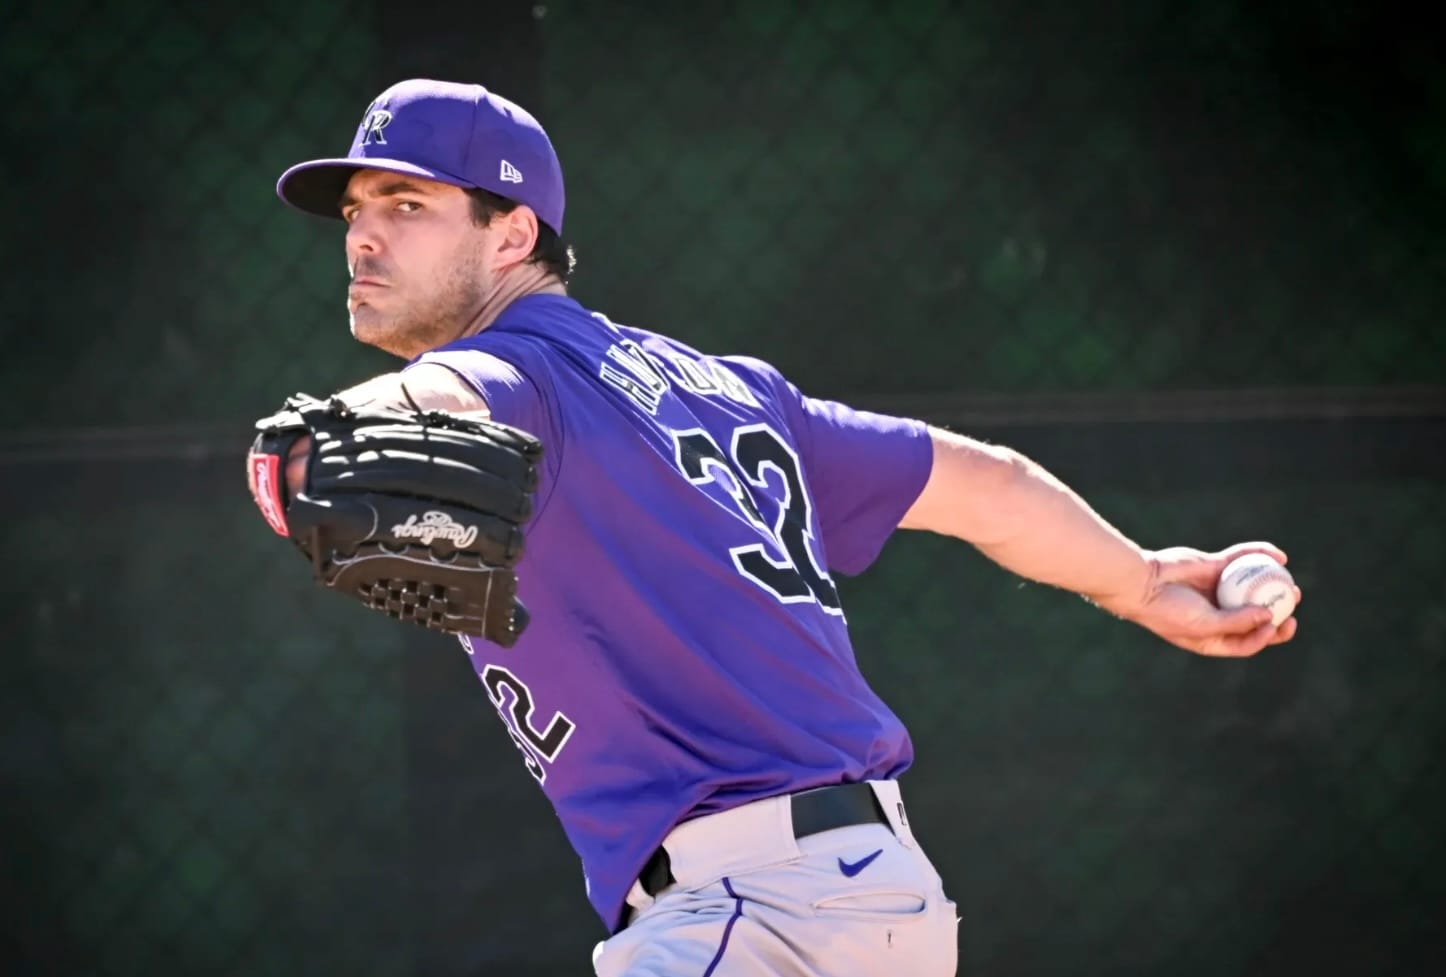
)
(1259, 580)
(417, 514)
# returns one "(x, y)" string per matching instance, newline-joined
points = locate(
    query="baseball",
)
(1257, 579)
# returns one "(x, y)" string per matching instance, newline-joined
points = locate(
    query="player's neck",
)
(519, 282)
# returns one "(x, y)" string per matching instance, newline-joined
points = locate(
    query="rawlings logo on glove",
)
(264, 471)
(417, 514)
(436, 525)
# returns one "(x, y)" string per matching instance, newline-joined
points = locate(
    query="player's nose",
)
(363, 234)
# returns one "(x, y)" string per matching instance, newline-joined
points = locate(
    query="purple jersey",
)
(687, 652)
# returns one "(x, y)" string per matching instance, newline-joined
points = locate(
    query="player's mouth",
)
(364, 291)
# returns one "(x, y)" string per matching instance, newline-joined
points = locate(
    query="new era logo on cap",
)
(510, 173)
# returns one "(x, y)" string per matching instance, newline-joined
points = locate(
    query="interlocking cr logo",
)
(372, 127)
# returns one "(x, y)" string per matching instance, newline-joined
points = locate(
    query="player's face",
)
(415, 257)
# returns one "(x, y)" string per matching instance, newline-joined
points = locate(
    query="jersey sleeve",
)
(864, 471)
(512, 397)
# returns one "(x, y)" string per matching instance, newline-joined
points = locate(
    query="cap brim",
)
(316, 186)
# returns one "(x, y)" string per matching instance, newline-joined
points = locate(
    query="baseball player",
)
(685, 692)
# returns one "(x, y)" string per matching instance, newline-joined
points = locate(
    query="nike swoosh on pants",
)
(851, 869)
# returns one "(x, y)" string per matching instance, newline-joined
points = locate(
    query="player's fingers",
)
(1256, 546)
(296, 460)
(1240, 620)
(1201, 571)
(1285, 632)
(1239, 645)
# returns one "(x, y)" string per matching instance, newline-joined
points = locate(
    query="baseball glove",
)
(417, 514)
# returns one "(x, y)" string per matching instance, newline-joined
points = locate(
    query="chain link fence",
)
(175, 289)
(1042, 199)
(215, 769)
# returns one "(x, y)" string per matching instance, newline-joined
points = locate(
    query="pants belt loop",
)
(887, 792)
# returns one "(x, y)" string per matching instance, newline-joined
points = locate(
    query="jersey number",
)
(755, 451)
(535, 746)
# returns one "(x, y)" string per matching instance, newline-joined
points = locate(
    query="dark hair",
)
(551, 251)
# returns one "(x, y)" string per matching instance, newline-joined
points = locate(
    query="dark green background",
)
(213, 768)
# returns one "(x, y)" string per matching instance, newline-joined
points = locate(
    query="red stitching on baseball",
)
(1267, 575)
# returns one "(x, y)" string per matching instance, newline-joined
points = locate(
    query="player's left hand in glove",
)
(417, 514)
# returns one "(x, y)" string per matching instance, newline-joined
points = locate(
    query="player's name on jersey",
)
(645, 376)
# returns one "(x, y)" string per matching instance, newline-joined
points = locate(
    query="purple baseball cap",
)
(441, 130)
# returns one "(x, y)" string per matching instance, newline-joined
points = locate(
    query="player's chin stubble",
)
(406, 325)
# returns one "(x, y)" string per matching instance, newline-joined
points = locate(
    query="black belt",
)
(817, 810)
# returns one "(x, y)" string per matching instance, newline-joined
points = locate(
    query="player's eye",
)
(408, 206)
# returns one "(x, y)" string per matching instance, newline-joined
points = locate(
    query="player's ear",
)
(519, 234)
